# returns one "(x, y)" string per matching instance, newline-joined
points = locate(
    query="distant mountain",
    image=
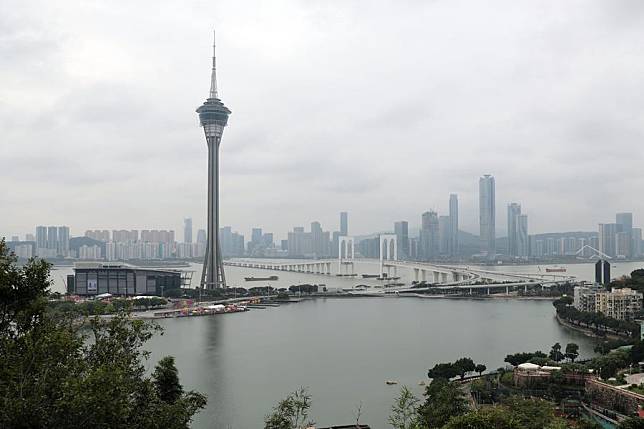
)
(470, 244)
(76, 243)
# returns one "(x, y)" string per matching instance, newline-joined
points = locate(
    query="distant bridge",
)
(444, 277)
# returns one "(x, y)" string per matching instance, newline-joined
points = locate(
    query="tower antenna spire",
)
(213, 77)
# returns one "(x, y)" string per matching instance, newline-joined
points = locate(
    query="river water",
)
(235, 275)
(343, 350)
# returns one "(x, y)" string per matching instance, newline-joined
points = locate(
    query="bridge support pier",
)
(436, 277)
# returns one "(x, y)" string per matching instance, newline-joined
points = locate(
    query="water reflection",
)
(344, 350)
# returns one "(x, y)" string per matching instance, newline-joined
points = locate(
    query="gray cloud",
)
(336, 106)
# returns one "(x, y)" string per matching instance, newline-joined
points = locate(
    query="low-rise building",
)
(91, 279)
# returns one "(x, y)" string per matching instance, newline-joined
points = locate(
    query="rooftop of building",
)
(97, 265)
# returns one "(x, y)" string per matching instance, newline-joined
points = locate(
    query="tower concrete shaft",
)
(213, 276)
(213, 116)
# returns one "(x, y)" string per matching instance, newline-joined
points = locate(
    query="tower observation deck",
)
(213, 116)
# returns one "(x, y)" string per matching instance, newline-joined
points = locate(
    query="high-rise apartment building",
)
(624, 223)
(100, 235)
(623, 244)
(187, 230)
(320, 241)
(607, 239)
(637, 242)
(299, 242)
(523, 239)
(41, 238)
(518, 239)
(344, 223)
(487, 216)
(63, 241)
(52, 237)
(514, 211)
(125, 236)
(444, 234)
(454, 249)
(202, 237)
(232, 243)
(401, 229)
(429, 235)
(256, 235)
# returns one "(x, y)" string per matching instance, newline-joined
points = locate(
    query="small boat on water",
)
(260, 279)
(391, 382)
(555, 269)
(370, 276)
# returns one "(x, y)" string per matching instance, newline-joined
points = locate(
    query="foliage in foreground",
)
(513, 413)
(53, 375)
(291, 412)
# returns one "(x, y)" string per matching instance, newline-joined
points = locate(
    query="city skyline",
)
(543, 118)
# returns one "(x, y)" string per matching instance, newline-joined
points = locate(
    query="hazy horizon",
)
(381, 109)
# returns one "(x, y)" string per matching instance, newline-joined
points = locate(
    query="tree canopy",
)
(291, 412)
(443, 399)
(55, 375)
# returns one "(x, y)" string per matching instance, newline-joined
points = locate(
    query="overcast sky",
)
(379, 108)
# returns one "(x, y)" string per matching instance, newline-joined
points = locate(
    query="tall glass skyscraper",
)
(624, 223)
(453, 226)
(517, 231)
(187, 230)
(401, 229)
(487, 216)
(344, 223)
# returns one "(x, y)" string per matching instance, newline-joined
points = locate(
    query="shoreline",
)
(588, 331)
(445, 296)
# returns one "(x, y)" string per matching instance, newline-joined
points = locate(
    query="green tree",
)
(555, 353)
(532, 413)
(291, 412)
(443, 370)
(632, 423)
(584, 423)
(480, 368)
(637, 352)
(464, 366)
(443, 399)
(486, 418)
(53, 375)
(166, 380)
(519, 358)
(572, 351)
(404, 412)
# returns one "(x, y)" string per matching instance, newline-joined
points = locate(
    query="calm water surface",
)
(343, 350)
